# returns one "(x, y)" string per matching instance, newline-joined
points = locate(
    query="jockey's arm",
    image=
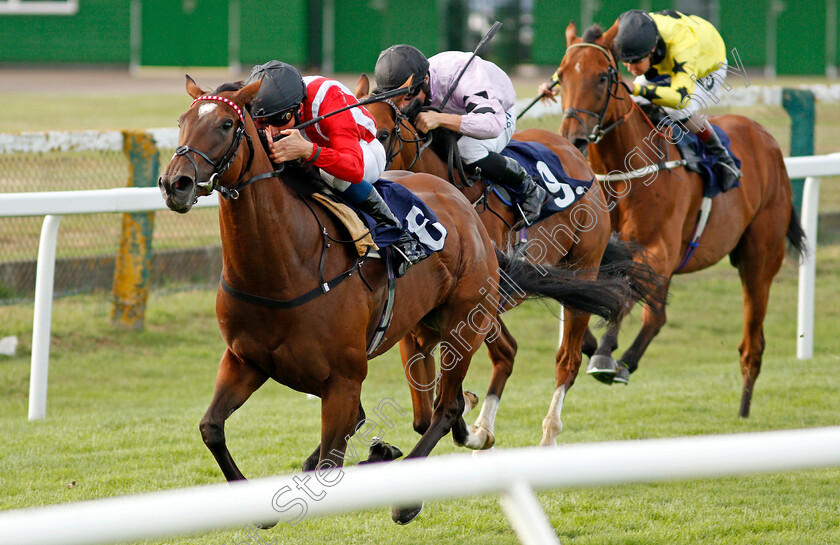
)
(343, 158)
(427, 121)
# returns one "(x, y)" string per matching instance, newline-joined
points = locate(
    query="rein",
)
(220, 168)
(396, 142)
(614, 80)
(227, 159)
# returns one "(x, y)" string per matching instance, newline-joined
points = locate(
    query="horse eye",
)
(604, 78)
(383, 135)
(228, 124)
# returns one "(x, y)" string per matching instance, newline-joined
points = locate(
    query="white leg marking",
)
(487, 417)
(552, 425)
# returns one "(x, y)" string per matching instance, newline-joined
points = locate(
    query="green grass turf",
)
(124, 407)
(123, 410)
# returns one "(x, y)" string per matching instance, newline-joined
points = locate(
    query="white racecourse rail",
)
(54, 205)
(513, 473)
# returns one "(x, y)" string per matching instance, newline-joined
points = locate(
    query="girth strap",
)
(291, 303)
(388, 311)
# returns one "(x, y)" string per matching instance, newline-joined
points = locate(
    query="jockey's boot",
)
(725, 169)
(507, 172)
(408, 250)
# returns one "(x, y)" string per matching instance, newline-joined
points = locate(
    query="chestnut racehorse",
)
(660, 209)
(296, 306)
(576, 237)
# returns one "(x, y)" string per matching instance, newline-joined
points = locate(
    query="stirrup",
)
(532, 195)
(411, 254)
(729, 176)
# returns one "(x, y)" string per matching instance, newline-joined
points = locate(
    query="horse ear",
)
(363, 86)
(571, 34)
(193, 89)
(408, 82)
(246, 94)
(607, 39)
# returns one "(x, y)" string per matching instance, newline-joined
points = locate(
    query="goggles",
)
(277, 120)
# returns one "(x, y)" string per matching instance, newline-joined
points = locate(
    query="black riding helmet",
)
(397, 63)
(637, 36)
(280, 93)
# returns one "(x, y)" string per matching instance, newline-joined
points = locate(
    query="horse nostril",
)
(182, 183)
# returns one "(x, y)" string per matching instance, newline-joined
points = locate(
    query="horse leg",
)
(339, 397)
(312, 460)
(590, 343)
(653, 318)
(502, 351)
(419, 367)
(235, 382)
(566, 369)
(457, 348)
(602, 366)
(758, 258)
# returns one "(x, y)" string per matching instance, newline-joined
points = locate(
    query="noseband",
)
(220, 167)
(614, 80)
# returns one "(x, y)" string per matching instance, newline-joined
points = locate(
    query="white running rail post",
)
(44, 282)
(526, 515)
(808, 270)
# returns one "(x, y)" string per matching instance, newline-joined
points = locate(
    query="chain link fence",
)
(186, 248)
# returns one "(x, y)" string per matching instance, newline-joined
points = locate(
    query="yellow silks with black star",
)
(692, 46)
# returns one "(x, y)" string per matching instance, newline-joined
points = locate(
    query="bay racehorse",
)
(299, 307)
(577, 237)
(660, 208)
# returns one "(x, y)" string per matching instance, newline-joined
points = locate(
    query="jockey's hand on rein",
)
(291, 146)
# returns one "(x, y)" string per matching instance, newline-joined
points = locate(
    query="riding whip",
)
(399, 91)
(487, 37)
(528, 107)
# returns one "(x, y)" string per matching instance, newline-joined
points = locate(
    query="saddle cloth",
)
(417, 218)
(546, 169)
(691, 149)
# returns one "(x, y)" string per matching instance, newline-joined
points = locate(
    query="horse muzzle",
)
(179, 191)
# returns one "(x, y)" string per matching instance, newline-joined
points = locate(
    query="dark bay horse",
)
(296, 306)
(576, 238)
(660, 209)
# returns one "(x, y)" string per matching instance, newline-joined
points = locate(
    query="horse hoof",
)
(622, 374)
(380, 451)
(489, 440)
(404, 515)
(602, 368)
(470, 401)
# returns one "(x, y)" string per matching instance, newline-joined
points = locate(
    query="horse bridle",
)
(396, 140)
(220, 167)
(613, 81)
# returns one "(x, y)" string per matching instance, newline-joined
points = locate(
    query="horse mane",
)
(592, 33)
(232, 86)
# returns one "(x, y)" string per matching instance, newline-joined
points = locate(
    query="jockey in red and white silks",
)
(350, 151)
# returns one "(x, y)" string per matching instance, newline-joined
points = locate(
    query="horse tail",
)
(605, 297)
(645, 284)
(796, 235)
